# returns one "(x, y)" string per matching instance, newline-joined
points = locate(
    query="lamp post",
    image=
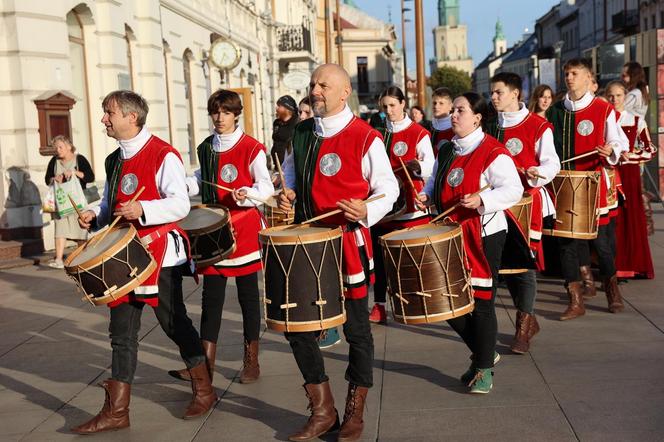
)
(404, 20)
(340, 53)
(419, 50)
(328, 37)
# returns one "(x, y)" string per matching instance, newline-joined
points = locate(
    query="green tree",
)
(452, 78)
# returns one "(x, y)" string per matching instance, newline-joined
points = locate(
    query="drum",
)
(275, 217)
(612, 192)
(522, 212)
(210, 232)
(426, 276)
(576, 196)
(302, 278)
(107, 269)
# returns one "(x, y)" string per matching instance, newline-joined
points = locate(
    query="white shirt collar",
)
(223, 142)
(129, 148)
(330, 126)
(467, 144)
(442, 123)
(510, 119)
(398, 126)
(579, 104)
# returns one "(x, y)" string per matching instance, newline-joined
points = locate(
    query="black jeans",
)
(523, 289)
(357, 331)
(172, 316)
(214, 295)
(605, 246)
(479, 329)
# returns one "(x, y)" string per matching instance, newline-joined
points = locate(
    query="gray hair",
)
(63, 139)
(128, 101)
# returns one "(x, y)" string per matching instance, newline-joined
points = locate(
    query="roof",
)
(345, 24)
(524, 49)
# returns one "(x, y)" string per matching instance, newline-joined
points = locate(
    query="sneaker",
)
(378, 314)
(328, 338)
(482, 382)
(468, 376)
(57, 264)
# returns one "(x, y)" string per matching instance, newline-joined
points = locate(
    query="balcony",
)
(625, 22)
(294, 43)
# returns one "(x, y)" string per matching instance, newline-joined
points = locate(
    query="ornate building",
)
(450, 39)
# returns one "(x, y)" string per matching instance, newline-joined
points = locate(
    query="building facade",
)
(450, 39)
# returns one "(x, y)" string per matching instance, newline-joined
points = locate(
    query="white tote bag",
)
(62, 193)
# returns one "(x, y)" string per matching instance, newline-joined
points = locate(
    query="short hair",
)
(63, 139)
(583, 63)
(616, 83)
(511, 80)
(536, 95)
(306, 101)
(394, 92)
(128, 101)
(227, 101)
(419, 108)
(478, 105)
(442, 92)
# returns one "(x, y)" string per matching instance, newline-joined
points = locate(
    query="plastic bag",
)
(48, 204)
(62, 193)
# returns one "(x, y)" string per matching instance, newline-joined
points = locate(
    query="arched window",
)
(80, 116)
(187, 61)
(129, 39)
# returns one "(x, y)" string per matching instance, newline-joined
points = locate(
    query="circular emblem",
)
(585, 128)
(400, 148)
(440, 144)
(455, 177)
(228, 173)
(129, 184)
(514, 145)
(329, 164)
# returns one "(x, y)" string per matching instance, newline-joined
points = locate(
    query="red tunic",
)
(470, 167)
(233, 172)
(441, 137)
(140, 171)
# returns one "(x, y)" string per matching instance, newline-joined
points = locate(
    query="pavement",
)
(596, 378)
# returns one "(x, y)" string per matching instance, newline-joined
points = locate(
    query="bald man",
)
(336, 162)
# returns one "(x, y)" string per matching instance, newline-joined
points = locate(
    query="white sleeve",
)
(425, 157)
(506, 189)
(174, 203)
(194, 182)
(262, 187)
(548, 159)
(613, 138)
(429, 184)
(378, 172)
(288, 167)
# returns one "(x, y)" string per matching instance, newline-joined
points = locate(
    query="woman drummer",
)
(233, 159)
(470, 162)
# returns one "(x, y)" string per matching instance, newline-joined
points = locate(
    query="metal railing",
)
(294, 38)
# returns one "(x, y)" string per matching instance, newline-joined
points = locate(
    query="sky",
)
(516, 15)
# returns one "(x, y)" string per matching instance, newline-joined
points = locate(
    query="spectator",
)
(283, 126)
(540, 100)
(638, 97)
(418, 115)
(304, 109)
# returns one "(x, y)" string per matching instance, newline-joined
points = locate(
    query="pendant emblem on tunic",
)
(514, 145)
(228, 173)
(400, 148)
(455, 177)
(129, 184)
(330, 164)
(585, 128)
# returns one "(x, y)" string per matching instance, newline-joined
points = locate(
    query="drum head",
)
(203, 217)
(299, 233)
(96, 248)
(422, 231)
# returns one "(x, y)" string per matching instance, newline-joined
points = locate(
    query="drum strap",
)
(161, 231)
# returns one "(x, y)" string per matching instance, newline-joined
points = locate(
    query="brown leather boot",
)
(534, 327)
(588, 281)
(613, 294)
(250, 370)
(351, 428)
(204, 397)
(115, 413)
(520, 343)
(210, 349)
(575, 307)
(324, 417)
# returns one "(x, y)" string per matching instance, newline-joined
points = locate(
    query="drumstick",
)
(403, 166)
(117, 218)
(334, 212)
(578, 157)
(525, 172)
(281, 172)
(458, 204)
(73, 204)
(228, 189)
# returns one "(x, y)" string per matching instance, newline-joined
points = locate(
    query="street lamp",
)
(404, 20)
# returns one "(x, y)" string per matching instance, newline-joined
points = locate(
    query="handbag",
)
(65, 190)
(48, 204)
(91, 194)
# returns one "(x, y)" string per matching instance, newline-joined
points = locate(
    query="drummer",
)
(529, 139)
(144, 161)
(337, 161)
(583, 123)
(408, 145)
(471, 161)
(233, 159)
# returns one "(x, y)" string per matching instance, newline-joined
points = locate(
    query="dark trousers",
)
(576, 252)
(357, 331)
(380, 286)
(172, 316)
(479, 329)
(214, 295)
(523, 289)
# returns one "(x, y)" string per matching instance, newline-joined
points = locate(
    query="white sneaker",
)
(56, 264)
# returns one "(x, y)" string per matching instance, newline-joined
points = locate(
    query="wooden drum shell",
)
(213, 243)
(422, 272)
(523, 212)
(576, 195)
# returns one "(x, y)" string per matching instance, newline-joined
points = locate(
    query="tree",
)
(452, 78)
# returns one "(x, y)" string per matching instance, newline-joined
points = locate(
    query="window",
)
(362, 75)
(80, 116)
(187, 60)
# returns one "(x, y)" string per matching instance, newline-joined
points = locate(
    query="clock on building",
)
(224, 54)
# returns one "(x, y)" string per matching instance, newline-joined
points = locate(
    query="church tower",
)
(450, 39)
(499, 41)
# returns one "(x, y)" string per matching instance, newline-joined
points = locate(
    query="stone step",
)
(17, 262)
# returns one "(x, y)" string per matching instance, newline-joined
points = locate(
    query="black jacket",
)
(81, 164)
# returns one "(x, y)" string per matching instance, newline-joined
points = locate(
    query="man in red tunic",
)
(337, 161)
(144, 161)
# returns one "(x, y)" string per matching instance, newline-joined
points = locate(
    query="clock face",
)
(224, 54)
